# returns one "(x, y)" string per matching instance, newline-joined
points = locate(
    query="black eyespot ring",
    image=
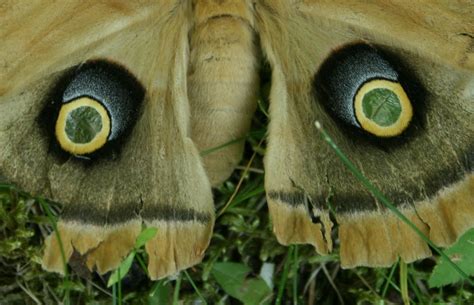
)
(95, 107)
(360, 87)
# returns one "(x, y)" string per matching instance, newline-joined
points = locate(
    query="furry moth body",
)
(223, 81)
(198, 64)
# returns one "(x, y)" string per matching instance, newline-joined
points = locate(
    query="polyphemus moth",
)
(105, 106)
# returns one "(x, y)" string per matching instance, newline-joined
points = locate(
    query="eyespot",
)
(97, 105)
(360, 87)
(83, 126)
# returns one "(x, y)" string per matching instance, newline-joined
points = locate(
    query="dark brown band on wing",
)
(171, 213)
(293, 199)
(90, 214)
(342, 202)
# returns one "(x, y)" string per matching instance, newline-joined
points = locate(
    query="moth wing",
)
(156, 178)
(427, 173)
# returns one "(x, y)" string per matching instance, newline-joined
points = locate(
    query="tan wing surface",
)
(156, 178)
(427, 171)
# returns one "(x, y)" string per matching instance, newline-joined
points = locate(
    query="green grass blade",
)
(404, 283)
(414, 287)
(122, 270)
(284, 276)
(177, 287)
(389, 280)
(239, 184)
(214, 149)
(114, 294)
(262, 108)
(194, 286)
(206, 152)
(53, 221)
(144, 236)
(142, 263)
(295, 277)
(119, 287)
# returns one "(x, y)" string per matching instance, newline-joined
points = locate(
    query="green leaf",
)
(71, 285)
(145, 236)
(160, 293)
(255, 291)
(462, 254)
(122, 270)
(232, 277)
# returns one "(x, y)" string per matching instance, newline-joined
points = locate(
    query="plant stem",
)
(176, 290)
(53, 221)
(295, 277)
(284, 276)
(388, 281)
(404, 283)
(119, 287)
(195, 287)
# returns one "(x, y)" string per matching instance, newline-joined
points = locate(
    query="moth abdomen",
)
(223, 83)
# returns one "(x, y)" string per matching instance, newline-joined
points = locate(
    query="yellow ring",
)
(82, 148)
(384, 131)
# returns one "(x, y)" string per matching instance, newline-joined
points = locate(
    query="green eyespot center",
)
(83, 124)
(382, 106)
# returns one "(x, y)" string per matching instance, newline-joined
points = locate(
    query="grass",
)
(242, 234)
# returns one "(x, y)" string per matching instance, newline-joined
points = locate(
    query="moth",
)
(105, 106)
